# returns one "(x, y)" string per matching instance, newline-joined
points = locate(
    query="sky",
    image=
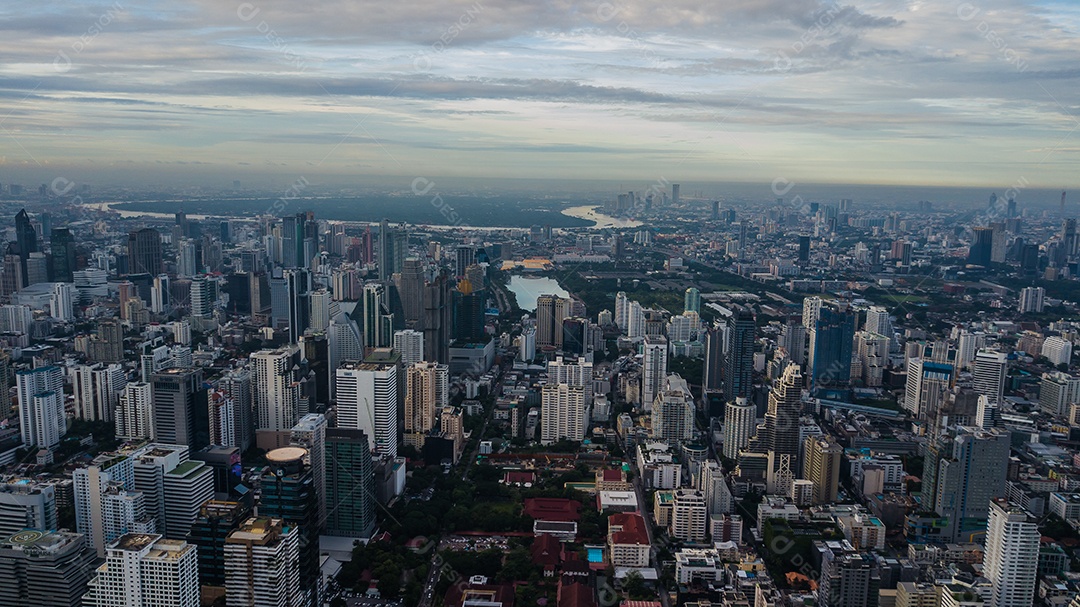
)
(923, 92)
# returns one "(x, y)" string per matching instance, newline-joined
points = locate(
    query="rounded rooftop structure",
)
(285, 455)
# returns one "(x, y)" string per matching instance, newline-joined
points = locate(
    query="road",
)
(654, 551)
(427, 595)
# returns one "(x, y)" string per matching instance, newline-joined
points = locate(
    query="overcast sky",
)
(921, 92)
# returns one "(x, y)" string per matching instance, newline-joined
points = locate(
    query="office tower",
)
(563, 413)
(1011, 561)
(551, 310)
(469, 308)
(689, 515)
(793, 340)
(674, 193)
(350, 484)
(62, 248)
(739, 355)
(811, 311)
(106, 504)
(310, 435)
(878, 321)
(146, 570)
(322, 309)
(692, 300)
(982, 246)
(713, 374)
(635, 321)
(12, 278)
(44, 568)
(990, 369)
(393, 246)
(710, 481)
(967, 481)
(180, 413)
(1057, 350)
(1057, 391)
(275, 389)
(210, 531)
(967, 345)
(108, 345)
(159, 294)
(144, 252)
(26, 504)
(289, 294)
(61, 303)
(779, 436)
(377, 324)
(438, 319)
(262, 564)
(97, 390)
(174, 486)
(426, 391)
(41, 406)
(37, 268)
(344, 341)
(410, 344)
(804, 248)
(465, 257)
(187, 262)
(202, 297)
(653, 369)
(927, 387)
(367, 399)
(673, 411)
(293, 230)
(410, 283)
(288, 493)
(822, 467)
(997, 242)
(740, 422)
(26, 241)
(235, 388)
(1031, 300)
(849, 577)
(831, 338)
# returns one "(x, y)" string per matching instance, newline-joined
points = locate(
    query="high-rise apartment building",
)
(367, 399)
(563, 413)
(262, 564)
(653, 369)
(41, 406)
(1011, 561)
(147, 570)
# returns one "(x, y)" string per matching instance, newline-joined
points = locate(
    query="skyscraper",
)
(927, 387)
(275, 390)
(350, 484)
(779, 437)
(739, 356)
(563, 413)
(26, 240)
(148, 570)
(411, 282)
(289, 292)
(310, 435)
(713, 375)
(740, 420)
(288, 493)
(62, 246)
(144, 252)
(990, 369)
(438, 319)
(1011, 562)
(692, 300)
(181, 416)
(367, 399)
(426, 391)
(673, 411)
(967, 481)
(97, 390)
(41, 406)
(44, 568)
(410, 344)
(982, 246)
(793, 340)
(235, 386)
(653, 369)
(551, 310)
(262, 564)
(344, 342)
(377, 323)
(831, 342)
(822, 467)
(393, 247)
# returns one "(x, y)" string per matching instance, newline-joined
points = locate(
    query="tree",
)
(634, 585)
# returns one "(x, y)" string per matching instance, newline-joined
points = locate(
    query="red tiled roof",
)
(613, 475)
(553, 509)
(576, 595)
(546, 551)
(633, 528)
(518, 476)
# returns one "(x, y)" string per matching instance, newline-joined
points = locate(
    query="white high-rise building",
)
(16, 319)
(811, 311)
(654, 369)
(563, 413)
(135, 412)
(175, 486)
(181, 331)
(344, 341)
(740, 423)
(989, 373)
(1057, 391)
(578, 373)
(1031, 300)
(635, 321)
(202, 297)
(276, 394)
(673, 411)
(61, 303)
(25, 504)
(710, 481)
(235, 386)
(527, 344)
(877, 321)
(689, 515)
(97, 390)
(262, 564)
(367, 399)
(410, 344)
(1011, 561)
(159, 294)
(622, 310)
(323, 308)
(146, 570)
(966, 347)
(41, 406)
(1057, 350)
(310, 434)
(106, 504)
(927, 386)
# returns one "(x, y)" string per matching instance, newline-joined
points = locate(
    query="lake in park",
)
(527, 288)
